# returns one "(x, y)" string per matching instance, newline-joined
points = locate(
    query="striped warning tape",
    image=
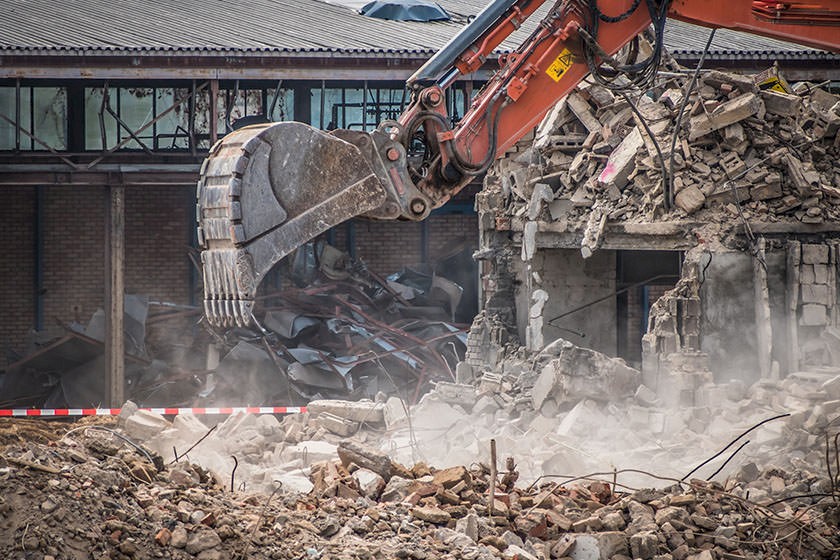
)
(48, 412)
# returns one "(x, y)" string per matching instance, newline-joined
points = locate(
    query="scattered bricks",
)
(358, 411)
(533, 524)
(724, 115)
(813, 315)
(814, 253)
(683, 500)
(782, 104)
(704, 522)
(163, 537)
(450, 477)
(622, 161)
(690, 199)
(671, 514)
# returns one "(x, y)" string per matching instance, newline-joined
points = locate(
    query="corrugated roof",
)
(279, 26)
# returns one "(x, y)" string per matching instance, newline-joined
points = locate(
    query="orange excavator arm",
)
(267, 189)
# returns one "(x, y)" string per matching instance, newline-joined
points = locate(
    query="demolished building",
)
(688, 235)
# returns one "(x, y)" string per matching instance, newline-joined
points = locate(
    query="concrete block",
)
(820, 274)
(370, 483)
(690, 199)
(815, 293)
(784, 104)
(188, 425)
(456, 393)
(336, 424)
(813, 315)
(622, 161)
(600, 546)
(725, 114)
(311, 451)
(144, 425)
(832, 387)
(813, 253)
(359, 411)
(394, 413)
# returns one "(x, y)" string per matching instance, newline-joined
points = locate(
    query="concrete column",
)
(115, 296)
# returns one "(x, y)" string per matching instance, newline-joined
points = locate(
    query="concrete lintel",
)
(657, 236)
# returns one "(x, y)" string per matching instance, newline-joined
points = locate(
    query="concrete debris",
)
(738, 146)
(345, 511)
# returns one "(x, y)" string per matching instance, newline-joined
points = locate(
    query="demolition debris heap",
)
(753, 154)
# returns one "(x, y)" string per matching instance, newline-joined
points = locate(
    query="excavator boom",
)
(267, 189)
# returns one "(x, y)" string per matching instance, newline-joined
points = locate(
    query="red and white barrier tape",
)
(48, 412)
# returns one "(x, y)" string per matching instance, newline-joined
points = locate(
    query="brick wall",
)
(17, 268)
(159, 222)
(73, 253)
(387, 247)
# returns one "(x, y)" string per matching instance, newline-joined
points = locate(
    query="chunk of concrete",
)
(394, 412)
(813, 315)
(690, 199)
(579, 373)
(145, 424)
(336, 424)
(622, 161)
(359, 411)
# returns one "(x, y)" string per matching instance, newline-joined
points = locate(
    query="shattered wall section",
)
(672, 362)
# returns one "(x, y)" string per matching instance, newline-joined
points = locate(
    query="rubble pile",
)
(752, 148)
(84, 490)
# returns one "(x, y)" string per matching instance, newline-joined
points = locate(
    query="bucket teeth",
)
(227, 287)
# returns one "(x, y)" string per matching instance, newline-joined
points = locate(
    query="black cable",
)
(659, 156)
(458, 161)
(669, 193)
(731, 443)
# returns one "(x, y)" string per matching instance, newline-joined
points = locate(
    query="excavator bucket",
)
(264, 191)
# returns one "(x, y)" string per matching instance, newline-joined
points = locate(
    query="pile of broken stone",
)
(768, 154)
(86, 495)
(335, 482)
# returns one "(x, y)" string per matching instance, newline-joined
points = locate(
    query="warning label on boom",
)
(562, 63)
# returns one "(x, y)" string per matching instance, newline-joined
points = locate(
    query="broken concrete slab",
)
(357, 411)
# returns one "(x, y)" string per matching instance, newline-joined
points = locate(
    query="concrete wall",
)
(571, 282)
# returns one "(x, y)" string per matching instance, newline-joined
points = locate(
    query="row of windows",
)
(37, 118)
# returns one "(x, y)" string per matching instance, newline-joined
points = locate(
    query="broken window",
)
(355, 108)
(119, 115)
(33, 118)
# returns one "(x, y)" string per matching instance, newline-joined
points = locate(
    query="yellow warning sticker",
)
(562, 63)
